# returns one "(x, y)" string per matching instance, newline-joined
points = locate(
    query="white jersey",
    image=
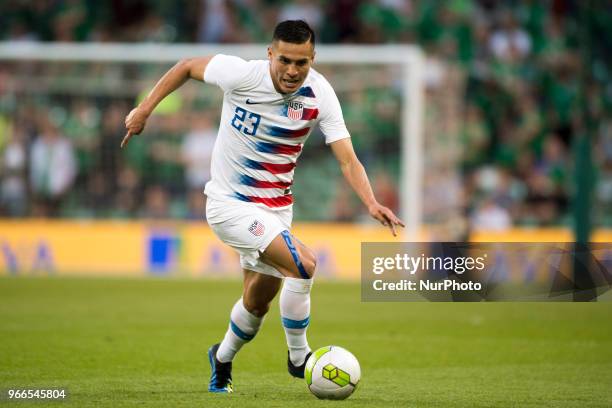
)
(262, 132)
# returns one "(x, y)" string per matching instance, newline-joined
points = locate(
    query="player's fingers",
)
(398, 222)
(130, 115)
(393, 218)
(126, 138)
(388, 221)
(382, 219)
(393, 230)
(387, 215)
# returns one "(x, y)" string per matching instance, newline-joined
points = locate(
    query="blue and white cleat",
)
(221, 373)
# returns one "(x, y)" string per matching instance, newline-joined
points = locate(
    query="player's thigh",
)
(290, 256)
(259, 291)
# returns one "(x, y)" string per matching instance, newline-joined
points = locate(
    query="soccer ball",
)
(332, 373)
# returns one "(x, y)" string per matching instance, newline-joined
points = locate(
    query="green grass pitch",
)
(124, 343)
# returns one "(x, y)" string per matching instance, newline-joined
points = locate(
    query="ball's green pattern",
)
(336, 375)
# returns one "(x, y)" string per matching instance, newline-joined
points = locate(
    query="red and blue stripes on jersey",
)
(282, 132)
(252, 182)
(279, 201)
(274, 168)
(310, 114)
(277, 148)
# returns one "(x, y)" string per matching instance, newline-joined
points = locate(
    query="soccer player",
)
(269, 109)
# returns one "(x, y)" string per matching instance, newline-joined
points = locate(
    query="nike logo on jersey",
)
(272, 101)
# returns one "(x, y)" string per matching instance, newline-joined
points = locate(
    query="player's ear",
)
(270, 52)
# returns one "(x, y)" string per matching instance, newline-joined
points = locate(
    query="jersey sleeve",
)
(227, 72)
(332, 122)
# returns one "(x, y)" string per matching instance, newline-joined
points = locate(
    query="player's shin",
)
(242, 328)
(295, 315)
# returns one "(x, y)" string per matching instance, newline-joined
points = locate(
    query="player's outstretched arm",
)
(355, 174)
(172, 80)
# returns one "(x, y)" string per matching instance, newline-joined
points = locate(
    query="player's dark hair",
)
(294, 32)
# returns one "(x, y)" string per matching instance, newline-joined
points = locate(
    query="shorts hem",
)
(257, 269)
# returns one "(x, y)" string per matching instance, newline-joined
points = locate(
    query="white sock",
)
(242, 328)
(295, 315)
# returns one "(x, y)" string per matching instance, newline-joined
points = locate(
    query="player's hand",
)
(134, 123)
(386, 217)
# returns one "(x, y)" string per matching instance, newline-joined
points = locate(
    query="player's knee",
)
(258, 309)
(310, 262)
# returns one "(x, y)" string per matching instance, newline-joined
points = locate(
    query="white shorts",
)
(249, 229)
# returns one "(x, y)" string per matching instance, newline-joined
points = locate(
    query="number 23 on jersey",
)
(245, 121)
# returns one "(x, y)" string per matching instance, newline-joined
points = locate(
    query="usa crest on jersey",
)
(295, 110)
(257, 228)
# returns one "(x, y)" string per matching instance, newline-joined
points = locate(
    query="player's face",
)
(289, 64)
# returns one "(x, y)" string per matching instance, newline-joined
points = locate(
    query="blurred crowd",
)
(525, 90)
